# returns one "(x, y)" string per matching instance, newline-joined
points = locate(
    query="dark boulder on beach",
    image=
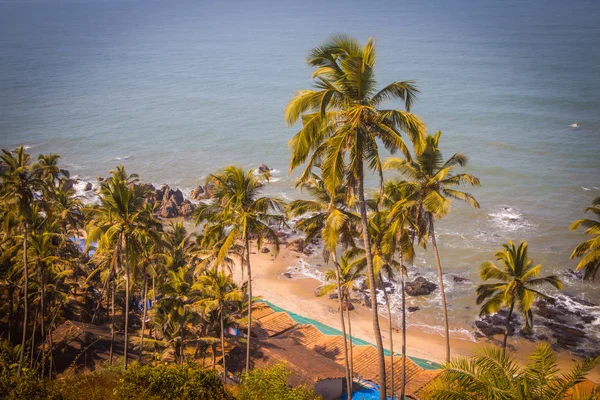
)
(460, 279)
(88, 186)
(263, 168)
(566, 337)
(495, 324)
(265, 250)
(573, 274)
(186, 209)
(419, 287)
(168, 209)
(413, 309)
(177, 196)
(198, 193)
(296, 245)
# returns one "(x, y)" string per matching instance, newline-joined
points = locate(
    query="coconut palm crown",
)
(343, 126)
(518, 284)
(589, 250)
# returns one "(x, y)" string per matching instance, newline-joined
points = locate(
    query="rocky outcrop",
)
(495, 324)
(412, 309)
(202, 192)
(263, 168)
(88, 187)
(186, 209)
(566, 337)
(460, 279)
(296, 245)
(419, 287)
(170, 203)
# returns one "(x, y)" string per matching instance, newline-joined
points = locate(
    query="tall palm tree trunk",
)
(152, 331)
(112, 319)
(441, 278)
(25, 301)
(341, 300)
(403, 383)
(32, 350)
(350, 334)
(182, 334)
(390, 332)
(508, 318)
(371, 279)
(11, 306)
(144, 316)
(223, 347)
(42, 299)
(249, 303)
(126, 338)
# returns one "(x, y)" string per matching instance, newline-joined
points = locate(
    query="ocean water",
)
(174, 90)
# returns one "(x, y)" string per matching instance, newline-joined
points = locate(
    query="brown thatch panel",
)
(273, 324)
(307, 366)
(305, 334)
(366, 362)
(414, 387)
(331, 347)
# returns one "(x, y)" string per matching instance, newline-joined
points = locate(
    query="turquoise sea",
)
(175, 89)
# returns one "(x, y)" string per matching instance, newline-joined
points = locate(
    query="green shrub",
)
(97, 385)
(271, 384)
(27, 387)
(187, 381)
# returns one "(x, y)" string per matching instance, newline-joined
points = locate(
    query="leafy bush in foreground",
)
(187, 381)
(271, 384)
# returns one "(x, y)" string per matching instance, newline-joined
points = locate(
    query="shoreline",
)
(297, 296)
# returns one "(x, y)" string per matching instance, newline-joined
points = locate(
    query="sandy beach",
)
(297, 295)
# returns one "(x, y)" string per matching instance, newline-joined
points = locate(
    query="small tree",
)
(518, 278)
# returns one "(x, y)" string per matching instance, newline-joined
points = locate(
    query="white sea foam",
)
(509, 219)
(586, 189)
(302, 269)
(122, 158)
(574, 125)
(87, 196)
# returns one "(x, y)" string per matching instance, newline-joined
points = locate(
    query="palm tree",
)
(518, 278)
(432, 180)
(493, 375)
(220, 295)
(116, 225)
(44, 255)
(328, 217)
(17, 192)
(589, 251)
(398, 238)
(180, 294)
(345, 274)
(238, 208)
(342, 121)
(149, 258)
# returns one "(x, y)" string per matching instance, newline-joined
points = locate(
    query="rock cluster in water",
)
(169, 203)
(419, 287)
(564, 325)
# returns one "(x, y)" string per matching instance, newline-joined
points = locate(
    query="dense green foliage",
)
(493, 375)
(271, 384)
(589, 250)
(518, 285)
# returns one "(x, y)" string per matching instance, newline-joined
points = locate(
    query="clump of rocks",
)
(419, 287)
(170, 203)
